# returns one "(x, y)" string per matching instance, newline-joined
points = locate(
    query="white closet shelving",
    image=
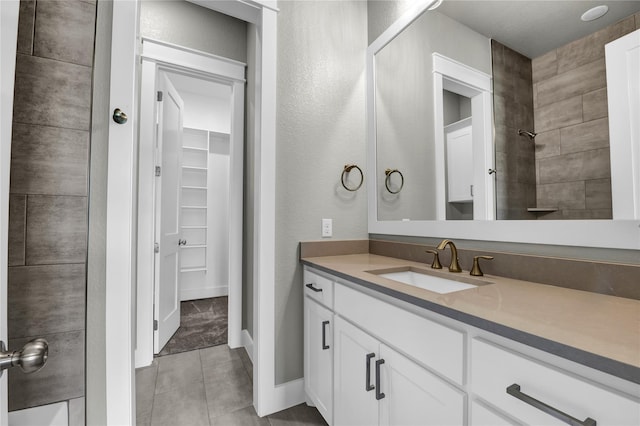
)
(193, 255)
(198, 274)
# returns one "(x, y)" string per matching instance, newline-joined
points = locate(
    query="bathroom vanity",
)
(505, 351)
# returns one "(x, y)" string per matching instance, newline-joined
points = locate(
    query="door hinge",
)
(155, 325)
(158, 170)
(156, 248)
(159, 96)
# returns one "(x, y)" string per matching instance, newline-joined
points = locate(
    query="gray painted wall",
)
(193, 26)
(320, 128)
(382, 13)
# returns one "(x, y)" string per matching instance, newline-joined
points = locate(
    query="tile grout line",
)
(204, 386)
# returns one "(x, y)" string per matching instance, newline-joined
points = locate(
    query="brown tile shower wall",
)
(48, 196)
(513, 110)
(571, 118)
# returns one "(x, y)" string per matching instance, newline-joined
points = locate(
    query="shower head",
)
(531, 135)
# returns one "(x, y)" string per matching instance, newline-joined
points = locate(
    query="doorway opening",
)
(190, 188)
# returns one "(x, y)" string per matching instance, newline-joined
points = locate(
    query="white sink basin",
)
(426, 281)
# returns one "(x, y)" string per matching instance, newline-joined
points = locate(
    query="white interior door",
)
(167, 265)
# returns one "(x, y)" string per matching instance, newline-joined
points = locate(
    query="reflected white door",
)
(167, 265)
(623, 94)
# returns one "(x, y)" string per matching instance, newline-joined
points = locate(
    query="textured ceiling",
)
(534, 27)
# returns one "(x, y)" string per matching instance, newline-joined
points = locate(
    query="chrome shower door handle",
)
(31, 358)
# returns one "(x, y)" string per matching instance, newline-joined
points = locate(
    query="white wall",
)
(207, 112)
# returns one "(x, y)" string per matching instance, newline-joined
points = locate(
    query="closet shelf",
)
(193, 226)
(194, 148)
(194, 187)
(194, 269)
(204, 169)
(195, 207)
(194, 246)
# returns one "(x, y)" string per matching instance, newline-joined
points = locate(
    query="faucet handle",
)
(436, 259)
(475, 270)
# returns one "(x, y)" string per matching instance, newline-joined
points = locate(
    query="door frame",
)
(8, 39)
(157, 57)
(120, 387)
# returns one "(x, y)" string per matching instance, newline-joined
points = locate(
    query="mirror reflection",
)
(550, 156)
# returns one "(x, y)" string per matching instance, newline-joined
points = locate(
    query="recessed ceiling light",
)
(594, 13)
(435, 5)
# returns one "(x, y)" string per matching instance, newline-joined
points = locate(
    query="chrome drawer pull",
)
(317, 290)
(514, 390)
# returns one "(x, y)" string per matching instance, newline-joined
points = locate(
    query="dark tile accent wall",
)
(513, 106)
(598, 277)
(571, 118)
(48, 201)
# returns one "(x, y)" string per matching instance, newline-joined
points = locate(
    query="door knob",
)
(31, 358)
(119, 116)
(182, 242)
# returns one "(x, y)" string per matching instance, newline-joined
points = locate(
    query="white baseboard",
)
(203, 292)
(247, 342)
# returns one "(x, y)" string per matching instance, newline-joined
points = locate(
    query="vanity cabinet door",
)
(355, 355)
(318, 357)
(414, 396)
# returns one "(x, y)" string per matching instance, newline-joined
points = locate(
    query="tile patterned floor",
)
(203, 323)
(208, 387)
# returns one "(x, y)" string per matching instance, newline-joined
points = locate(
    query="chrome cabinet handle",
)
(310, 286)
(514, 390)
(31, 358)
(379, 395)
(368, 386)
(324, 335)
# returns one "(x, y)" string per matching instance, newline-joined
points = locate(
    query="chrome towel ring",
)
(347, 169)
(387, 180)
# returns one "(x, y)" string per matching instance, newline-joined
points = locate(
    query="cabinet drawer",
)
(318, 288)
(434, 345)
(494, 369)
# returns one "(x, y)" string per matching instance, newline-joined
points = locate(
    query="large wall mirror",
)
(506, 121)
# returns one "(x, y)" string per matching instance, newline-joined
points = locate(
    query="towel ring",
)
(347, 169)
(389, 172)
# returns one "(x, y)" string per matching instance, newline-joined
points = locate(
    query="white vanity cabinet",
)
(376, 385)
(318, 342)
(393, 363)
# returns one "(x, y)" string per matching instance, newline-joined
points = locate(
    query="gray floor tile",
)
(243, 417)
(217, 355)
(186, 406)
(246, 361)
(143, 419)
(227, 389)
(145, 388)
(299, 415)
(179, 371)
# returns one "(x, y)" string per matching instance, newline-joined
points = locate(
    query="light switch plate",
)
(327, 228)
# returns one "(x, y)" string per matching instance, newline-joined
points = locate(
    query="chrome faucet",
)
(454, 266)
